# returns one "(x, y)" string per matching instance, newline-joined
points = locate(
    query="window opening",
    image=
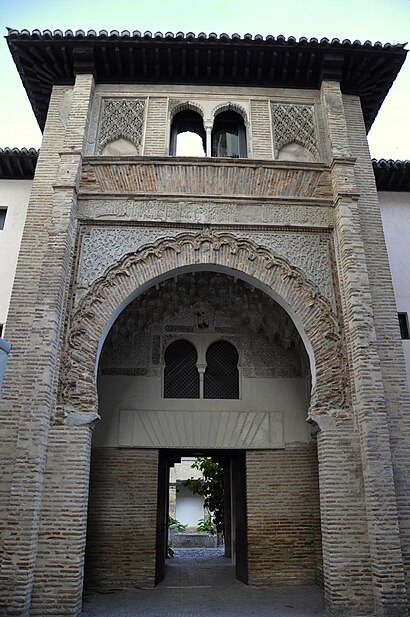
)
(404, 326)
(229, 135)
(188, 136)
(181, 377)
(221, 378)
(3, 212)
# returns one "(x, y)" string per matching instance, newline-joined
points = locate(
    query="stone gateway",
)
(230, 297)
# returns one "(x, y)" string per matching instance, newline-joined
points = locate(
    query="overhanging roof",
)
(46, 58)
(18, 163)
(392, 175)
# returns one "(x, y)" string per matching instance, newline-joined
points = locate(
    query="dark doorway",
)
(235, 518)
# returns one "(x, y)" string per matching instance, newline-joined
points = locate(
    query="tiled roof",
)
(392, 175)
(17, 163)
(46, 58)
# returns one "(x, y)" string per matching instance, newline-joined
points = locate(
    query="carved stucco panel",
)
(102, 247)
(294, 123)
(309, 252)
(122, 118)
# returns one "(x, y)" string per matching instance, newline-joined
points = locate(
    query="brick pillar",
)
(389, 343)
(58, 575)
(281, 511)
(121, 537)
(45, 265)
(346, 560)
(369, 400)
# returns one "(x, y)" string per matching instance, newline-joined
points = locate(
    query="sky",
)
(374, 20)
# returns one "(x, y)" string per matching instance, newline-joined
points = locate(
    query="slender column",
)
(201, 371)
(208, 129)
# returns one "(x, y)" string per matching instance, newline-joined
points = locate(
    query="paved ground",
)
(201, 583)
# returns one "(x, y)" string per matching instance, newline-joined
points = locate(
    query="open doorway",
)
(181, 543)
(204, 364)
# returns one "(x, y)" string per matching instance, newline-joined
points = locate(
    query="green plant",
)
(211, 486)
(206, 526)
(181, 528)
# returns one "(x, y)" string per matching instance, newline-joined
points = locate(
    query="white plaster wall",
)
(14, 195)
(189, 507)
(395, 210)
(286, 395)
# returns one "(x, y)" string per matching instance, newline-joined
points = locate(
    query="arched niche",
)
(295, 152)
(310, 311)
(120, 147)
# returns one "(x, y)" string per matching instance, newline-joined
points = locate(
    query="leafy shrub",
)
(206, 526)
(211, 486)
(181, 528)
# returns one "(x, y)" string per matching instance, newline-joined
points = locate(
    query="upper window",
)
(188, 136)
(221, 374)
(3, 212)
(181, 378)
(229, 135)
(404, 326)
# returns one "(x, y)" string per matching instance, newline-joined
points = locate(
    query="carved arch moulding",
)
(209, 249)
(176, 105)
(221, 107)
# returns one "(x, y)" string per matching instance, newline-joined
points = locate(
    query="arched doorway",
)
(310, 311)
(204, 361)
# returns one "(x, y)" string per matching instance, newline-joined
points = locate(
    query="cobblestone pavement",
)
(201, 583)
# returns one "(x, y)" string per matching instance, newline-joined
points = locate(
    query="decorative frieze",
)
(206, 212)
(294, 123)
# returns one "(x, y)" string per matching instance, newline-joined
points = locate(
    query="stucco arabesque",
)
(104, 246)
(166, 254)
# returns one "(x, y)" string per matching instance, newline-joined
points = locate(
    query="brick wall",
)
(156, 126)
(261, 127)
(122, 518)
(283, 516)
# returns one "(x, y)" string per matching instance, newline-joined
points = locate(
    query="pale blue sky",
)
(383, 20)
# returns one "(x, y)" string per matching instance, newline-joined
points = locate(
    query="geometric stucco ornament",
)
(294, 123)
(122, 118)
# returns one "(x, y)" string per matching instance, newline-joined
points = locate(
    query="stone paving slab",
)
(202, 584)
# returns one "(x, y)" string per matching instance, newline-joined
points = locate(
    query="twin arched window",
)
(227, 139)
(188, 136)
(182, 379)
